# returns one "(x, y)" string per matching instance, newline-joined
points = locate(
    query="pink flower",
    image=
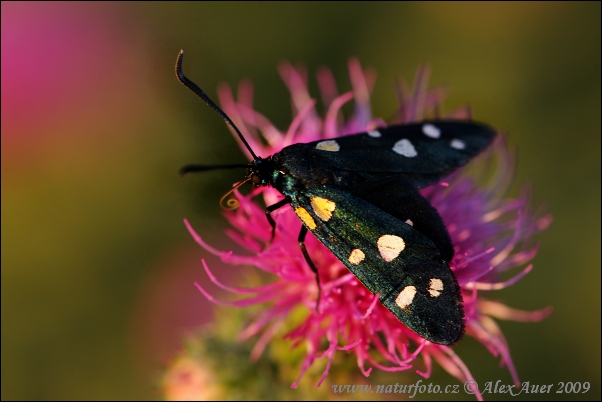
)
(491, 235)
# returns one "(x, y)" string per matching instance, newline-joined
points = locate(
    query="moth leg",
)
(268, 211)
(311, 264)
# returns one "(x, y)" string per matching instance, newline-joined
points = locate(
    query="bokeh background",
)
(97, 266)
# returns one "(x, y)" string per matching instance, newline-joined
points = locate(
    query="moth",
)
(359, 196)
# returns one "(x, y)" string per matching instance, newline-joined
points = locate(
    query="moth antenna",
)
(201, 94)
(232, 203)
(203, 168)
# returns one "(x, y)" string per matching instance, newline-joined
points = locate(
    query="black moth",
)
(358, 195)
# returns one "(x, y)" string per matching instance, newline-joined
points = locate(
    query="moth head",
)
(260, 172)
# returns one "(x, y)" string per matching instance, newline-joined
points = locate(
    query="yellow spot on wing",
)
(356, 256)
(305, 217)
(323, 207)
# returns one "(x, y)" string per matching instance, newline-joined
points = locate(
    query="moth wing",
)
(424, 152)
(396, 196)
(389, 257)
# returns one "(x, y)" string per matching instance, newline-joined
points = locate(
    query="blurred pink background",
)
(97, 266)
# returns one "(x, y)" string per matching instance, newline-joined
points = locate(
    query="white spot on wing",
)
(390, 246)
(356, 256)
(435, 287)
(431, 131)
(458, 144)
(405, 297)
(404, 147)
(374, 133)
(330, 145)
(409, 222)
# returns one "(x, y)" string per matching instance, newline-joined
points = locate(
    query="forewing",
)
(423, 152)
(396, 196)
(389, 257)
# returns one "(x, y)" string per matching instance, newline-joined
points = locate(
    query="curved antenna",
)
(201, 94)
(232, 203)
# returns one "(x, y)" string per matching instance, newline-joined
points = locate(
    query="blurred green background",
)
(97, 267)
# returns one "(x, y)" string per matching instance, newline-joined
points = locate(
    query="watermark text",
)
(469, 387)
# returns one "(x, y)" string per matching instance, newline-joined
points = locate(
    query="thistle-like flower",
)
(491, 235)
